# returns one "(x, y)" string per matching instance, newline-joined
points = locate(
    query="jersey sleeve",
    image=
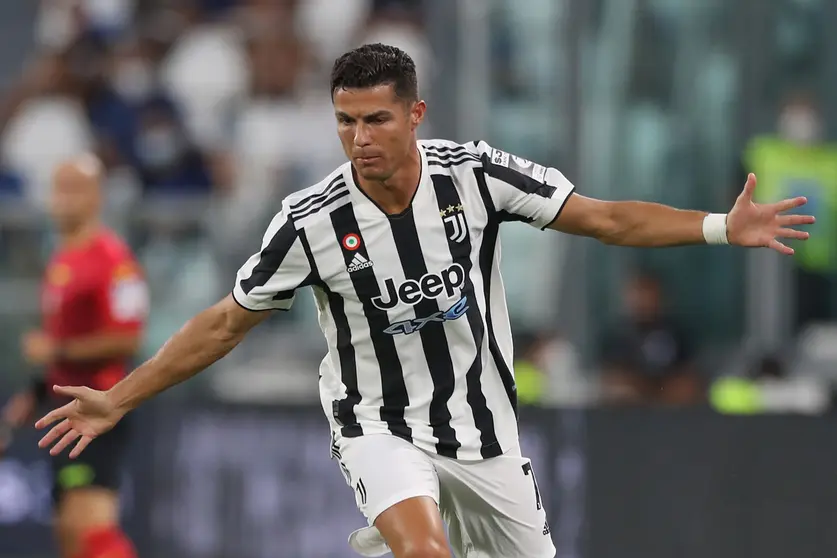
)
(522, 190)
(125, 296)
(270, 278)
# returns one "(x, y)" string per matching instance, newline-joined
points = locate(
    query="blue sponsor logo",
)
(411, 326)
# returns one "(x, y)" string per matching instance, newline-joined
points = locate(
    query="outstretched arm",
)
(643, 224)
(267, 281)
(204, 339)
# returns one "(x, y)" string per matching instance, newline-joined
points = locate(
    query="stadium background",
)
(208, 111)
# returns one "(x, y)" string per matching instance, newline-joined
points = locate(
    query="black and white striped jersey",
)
(412, 305)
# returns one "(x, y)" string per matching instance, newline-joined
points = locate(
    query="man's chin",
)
(66, 226)
(372, 174)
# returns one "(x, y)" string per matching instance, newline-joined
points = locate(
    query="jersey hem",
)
(235, 298)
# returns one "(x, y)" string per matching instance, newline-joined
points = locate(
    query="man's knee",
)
(432, 548)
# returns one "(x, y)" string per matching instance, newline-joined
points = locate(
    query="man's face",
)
(376, 128)
(74, 201)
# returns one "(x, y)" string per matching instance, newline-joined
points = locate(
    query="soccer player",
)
(400, 248)
(94, 303)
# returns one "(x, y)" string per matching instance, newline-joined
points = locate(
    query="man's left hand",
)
(757, 225)
(38, 348)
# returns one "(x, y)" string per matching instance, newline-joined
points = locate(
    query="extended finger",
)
(54, 416)
(749, 187)
(792, 220)
(781, 248)
(68, 438)
(76, 392)
(56, 432)
(83, 443)
(793, 233)
(790, 203)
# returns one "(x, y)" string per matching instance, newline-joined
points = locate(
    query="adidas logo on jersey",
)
(358, 263)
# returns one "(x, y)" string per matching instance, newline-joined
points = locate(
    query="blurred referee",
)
(94, 303)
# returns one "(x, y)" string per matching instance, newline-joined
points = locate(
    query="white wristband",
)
(715, 228)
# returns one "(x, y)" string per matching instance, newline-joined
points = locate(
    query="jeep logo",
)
(430, 286)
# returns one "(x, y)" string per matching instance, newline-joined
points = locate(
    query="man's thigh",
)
(494, 507)
(383, 471)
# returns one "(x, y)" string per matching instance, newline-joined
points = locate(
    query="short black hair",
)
(373, 65)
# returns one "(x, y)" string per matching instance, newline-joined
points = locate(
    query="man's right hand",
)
(90, 414)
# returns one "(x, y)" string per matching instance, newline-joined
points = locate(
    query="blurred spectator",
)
(43, 122)
(111, 117)
(206, 73)
(797, 161)
(283, 134)
(282, 122)
(131, 71)
(329, 37)
(547, 370)
(768, 388)
(529, 373)
(167, 161)
(60, 22)
(162, 22)
(646, 357)
(401, 23)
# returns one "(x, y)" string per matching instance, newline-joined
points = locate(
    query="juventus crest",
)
(455, 225)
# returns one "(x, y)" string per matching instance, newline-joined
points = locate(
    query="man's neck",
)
(80, 236)
(395, 194)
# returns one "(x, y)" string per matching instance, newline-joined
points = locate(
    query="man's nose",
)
(362, 135)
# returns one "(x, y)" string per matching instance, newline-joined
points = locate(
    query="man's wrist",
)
(715, 229)
(118, 401)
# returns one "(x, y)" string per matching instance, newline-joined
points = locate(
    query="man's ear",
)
(417, 114)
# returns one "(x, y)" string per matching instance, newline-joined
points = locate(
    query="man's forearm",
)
(99, 347)
(205, 339)
(644, 224)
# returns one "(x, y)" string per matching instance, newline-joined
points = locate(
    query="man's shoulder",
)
(446, 144)
(110, 243)
(440, 146)
(114, 253)
(447, 154)
(318, 200)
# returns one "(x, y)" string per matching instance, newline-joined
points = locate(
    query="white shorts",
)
(493, 508)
